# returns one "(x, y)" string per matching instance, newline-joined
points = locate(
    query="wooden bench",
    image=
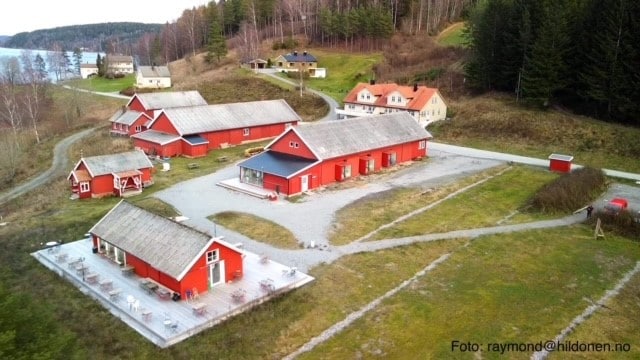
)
(191, 166)
(222, 159)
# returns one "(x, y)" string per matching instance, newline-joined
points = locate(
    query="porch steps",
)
(236, 185)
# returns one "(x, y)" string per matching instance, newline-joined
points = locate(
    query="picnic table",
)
(193, 166)
(199, 308)
(149, 286)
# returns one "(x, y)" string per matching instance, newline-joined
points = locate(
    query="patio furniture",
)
(72, 264)
(163, 293)
(267, 285)
(199, 308)
(114, 294)
(146, 314)
(264, 259)
(130, 301)
(61, 257)
(291, 272)
(238, 295)
(149, 286)
(128, 270)
(81, 268)
(91, 278)
(106, 285)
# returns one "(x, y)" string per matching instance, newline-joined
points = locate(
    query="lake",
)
(87, 57)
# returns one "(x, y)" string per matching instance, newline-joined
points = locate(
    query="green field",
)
(453, 35)
(102, 84)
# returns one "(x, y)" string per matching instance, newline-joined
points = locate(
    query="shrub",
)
(624, 223)
(570, 191)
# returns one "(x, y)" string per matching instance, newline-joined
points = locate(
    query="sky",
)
(29, 15)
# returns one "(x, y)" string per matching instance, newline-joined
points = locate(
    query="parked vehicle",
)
(616, 205)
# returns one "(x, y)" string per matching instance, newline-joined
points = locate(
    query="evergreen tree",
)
(544, 73)
(40, 67)
(217, 46)
(100, 65)
(77, 59)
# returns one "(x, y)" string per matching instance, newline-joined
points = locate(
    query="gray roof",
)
(88, 66)
(300, 57)
(168, 246)
(115, 163)
(126, 117)
(172, 99)
(119, 58)
(154, 71)
(329, 139)
(271, 162)
(201, 119)
(157, 137)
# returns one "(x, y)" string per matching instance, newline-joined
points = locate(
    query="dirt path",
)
(59, 164)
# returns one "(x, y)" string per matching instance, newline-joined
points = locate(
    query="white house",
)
(156, 77)
(87, 70)
(122, 64)
(425, 104)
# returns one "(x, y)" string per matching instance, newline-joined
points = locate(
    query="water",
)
(87, 57)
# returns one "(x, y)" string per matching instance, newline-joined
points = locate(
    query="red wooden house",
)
(128, 122)
(174, 255)
(120, 174)
(203, 128)
(152, 103)
(307, 157)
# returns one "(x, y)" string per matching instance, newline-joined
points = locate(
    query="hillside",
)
(91, 37)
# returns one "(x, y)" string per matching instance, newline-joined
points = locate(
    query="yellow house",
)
(296, 62)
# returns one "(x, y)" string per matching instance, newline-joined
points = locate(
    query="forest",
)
(584, 55)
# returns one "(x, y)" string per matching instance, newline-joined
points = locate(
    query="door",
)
(304, 183)
(216, 273)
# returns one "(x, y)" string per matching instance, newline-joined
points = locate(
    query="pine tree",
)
(77, 59)
(100, 65)
(544, 73)
(217, 46)
(41, 67)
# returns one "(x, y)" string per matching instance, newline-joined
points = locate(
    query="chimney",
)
(295, 53)
(415, 87)
(304, 53)
(372, 82)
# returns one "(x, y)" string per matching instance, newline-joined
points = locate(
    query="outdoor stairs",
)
(235, 185)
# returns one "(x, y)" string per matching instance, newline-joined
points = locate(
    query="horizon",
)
(29, 16)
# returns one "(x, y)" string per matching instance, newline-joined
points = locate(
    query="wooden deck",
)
(156, 318)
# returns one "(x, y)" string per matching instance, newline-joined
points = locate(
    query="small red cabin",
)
(120, 174)
(560, 163)
(176, 256)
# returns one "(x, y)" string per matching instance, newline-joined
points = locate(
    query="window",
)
(294, 144)
(393, 99)
(422, 144)
(213, 256)
(138, 128)
(368, 96)
(84, 186)
(245, 132)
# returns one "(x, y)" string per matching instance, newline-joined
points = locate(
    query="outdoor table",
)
(199, 308)
(91, 278)
(128, 270)
(163, 293)
(114, 294)
(106, 284)
(267, 285)
(238, 295)
(146, 315)
(149, 286)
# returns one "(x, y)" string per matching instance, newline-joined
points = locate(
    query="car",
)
(616, 205)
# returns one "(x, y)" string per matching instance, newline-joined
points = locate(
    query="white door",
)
(304, 183)
(216, 273)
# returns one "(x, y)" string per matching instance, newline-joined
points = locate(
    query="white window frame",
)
(213, 256)
(138, 128)
(422, 144)
(84, 186)
(246, 132)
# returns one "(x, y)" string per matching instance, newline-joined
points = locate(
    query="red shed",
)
(560, 163)
(219, 125)
(151, 103)
(172, 254)
(120, 174)
(306, 157)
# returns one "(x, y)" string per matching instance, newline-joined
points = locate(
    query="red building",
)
(560, 163)
(193, 131)
(136, 116)
(174, 255)
(121, 174)
(128, 122)
(310, 156)
(152, 103)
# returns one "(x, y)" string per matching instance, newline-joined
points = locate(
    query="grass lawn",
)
(345, 70)
(256, 228)
(453, 36)
(501, 199)
(523, 287)
(102, 84)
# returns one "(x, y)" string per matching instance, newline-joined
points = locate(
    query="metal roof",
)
(156, 137)
(330, 139)
(171, 99)
(115, 163)
(275, 163)
(300, 57)
(166, 245)
(195, 139)
(201, 119)
(154, 71)
(127, 117)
